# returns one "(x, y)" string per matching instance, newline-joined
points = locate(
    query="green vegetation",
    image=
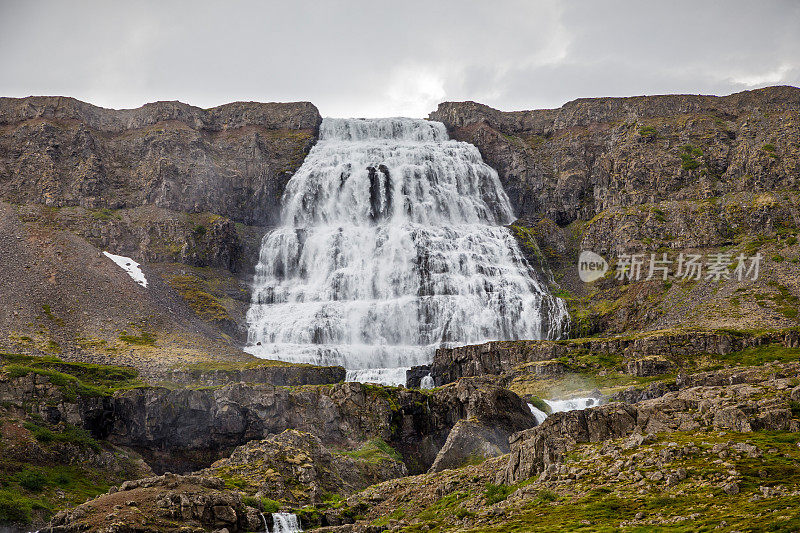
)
(84, 379)
(759, 355)
(269, 506)
(31, 480)
(539, 404)
(375, 451)
(784, 302)
(67, 433)
(688, 155)
(49, 314)
(770, 150)
(203, 303)
(265, 505)
(497, 493)
(145, 339)
(15, 508)
(103, 214)
(647, 131)
(203, 367)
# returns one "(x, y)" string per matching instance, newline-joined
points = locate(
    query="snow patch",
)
(130, 266)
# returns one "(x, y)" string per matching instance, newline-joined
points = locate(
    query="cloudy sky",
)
(377, 58)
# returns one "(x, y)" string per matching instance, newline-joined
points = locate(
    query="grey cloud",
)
(363, 58)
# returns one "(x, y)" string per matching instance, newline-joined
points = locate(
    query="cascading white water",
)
(285, 523)
(538, 414)
(573, 404)
(391, 245)
(560, 406)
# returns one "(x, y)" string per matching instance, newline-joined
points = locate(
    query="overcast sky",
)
(402, 57)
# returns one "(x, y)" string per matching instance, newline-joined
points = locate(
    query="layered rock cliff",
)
(187, 192)
(594, 154)
(233, 160)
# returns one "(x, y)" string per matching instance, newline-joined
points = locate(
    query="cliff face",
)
(598, 153)
(233, 160)
(187, 192)
(653, 174)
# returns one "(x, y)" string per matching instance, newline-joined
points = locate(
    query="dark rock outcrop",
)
(280, 375)
(164, 503)
(470, 441)
(646, 353)
(493, 415)
(415, 374)
(296, 467)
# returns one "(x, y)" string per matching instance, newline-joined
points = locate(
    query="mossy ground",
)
(74, 379)
(599, 496)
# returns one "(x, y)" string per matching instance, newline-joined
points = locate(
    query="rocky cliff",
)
(233, 160)
(652, 175)
(187, 192)
(594, 154)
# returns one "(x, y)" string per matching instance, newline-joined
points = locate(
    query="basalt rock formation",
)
(187, 192)
(594, 154)
(233, 160)
(639, 353)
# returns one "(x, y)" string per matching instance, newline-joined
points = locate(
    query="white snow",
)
(130, 266)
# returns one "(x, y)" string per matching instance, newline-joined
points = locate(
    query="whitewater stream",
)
(392, 243)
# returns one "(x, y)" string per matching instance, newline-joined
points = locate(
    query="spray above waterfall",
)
(392, 244)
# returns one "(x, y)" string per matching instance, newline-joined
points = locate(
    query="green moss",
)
(759, 355)
(32, 480)
(497, 493)
(203, 367)
(688, 155)
(539, 404)
(84, 379)
(103, 214)
(49, 314)
(66, 433)
(145, 339)
(269, 506)
(375, 451)
(15, 508)
(647, 131)
(203, 303)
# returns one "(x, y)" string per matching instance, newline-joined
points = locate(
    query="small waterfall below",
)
(560, 406)
(573, 404)
(392, 243)
(426, 382)
(285, 523)
(538, 414)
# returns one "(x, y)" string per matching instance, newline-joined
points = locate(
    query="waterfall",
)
(573, 404)
(426, 382)
(392, 243)
(560, 406)
(538, 414)
(285, 523)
